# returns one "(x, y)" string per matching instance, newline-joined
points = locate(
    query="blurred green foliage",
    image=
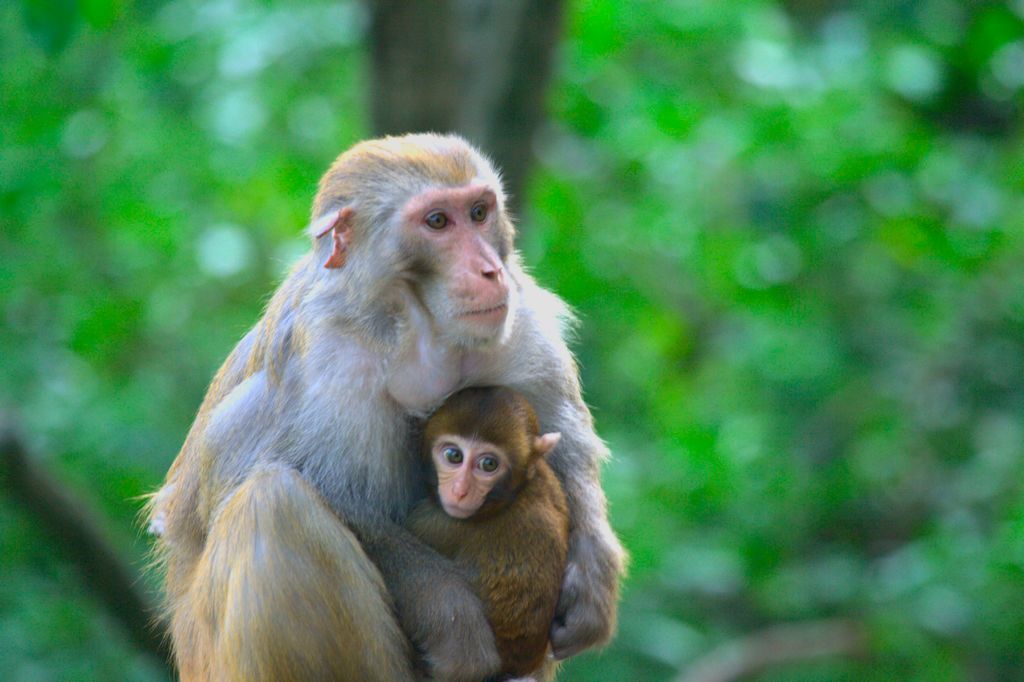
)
(794, 233)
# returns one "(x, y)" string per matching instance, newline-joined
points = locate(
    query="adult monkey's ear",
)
(339, 225)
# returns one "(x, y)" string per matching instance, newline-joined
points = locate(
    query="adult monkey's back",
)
(280, 518)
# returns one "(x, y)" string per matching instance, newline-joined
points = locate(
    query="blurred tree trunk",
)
(476, 67)
(75, 529)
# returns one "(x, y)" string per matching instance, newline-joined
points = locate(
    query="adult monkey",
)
(280, 518)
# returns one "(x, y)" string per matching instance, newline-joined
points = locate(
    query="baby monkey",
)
(497, 509)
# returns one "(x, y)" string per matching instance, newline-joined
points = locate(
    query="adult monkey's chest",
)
(420, 380)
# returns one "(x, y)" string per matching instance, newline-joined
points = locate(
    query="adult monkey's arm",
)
(543, 368)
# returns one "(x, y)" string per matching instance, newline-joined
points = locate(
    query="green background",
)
(794, 233)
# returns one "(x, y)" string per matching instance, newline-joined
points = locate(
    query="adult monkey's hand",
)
(587, 607)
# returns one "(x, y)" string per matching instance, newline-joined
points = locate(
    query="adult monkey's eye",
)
(479, 212)
(437, 220)
(488, 463)
(452, 455)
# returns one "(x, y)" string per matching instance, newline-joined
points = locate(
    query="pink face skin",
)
(461, 224)
(467, 469)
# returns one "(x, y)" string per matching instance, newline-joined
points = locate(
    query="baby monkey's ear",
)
(543, 445)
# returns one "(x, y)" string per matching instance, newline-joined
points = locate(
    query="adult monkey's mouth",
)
(494, 311)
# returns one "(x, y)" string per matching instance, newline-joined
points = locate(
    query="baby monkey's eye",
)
(488, 463)
(479, 212)
(452, 455)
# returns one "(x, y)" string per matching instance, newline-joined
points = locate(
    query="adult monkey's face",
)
(433, 217)
(462, 242)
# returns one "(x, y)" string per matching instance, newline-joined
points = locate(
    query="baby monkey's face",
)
(467, 470)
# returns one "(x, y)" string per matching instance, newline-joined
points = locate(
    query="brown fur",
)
(516, 550)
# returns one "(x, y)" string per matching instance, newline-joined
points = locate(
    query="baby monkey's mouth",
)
(457, 512)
